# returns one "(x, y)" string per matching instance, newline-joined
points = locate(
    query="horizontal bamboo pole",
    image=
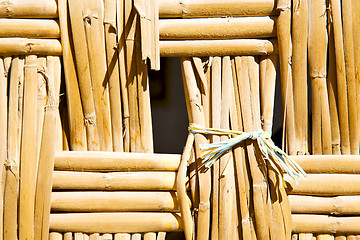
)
(115, 161)
(26, 46)
(217, 28)
(29, 28)
(325, 184)
(28, 9)
(114, 181)
(215, 8)
(230, 47)
(115, 222)
(329, 163)
(307, 223)
(339, 205)
(114, 201)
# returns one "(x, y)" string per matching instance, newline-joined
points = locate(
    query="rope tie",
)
(278, 159)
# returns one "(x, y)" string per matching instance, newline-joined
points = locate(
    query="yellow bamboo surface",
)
(28, 9)
(26, 46)
(115, 222)
(29, 28)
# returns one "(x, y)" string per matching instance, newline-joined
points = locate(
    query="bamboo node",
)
(12, 166)
(90, 120)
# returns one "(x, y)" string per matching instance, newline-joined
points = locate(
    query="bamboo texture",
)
(26, 9)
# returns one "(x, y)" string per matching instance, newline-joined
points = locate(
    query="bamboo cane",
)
(340, 237)
(113, 74)
(136, 236)
(350, 75)
(28, 161)
(55, 63)
(218, 28)
(155, 48)
(55, 236)
(68, 236)
(114, 181)
(161, 236)
(94, 236)
(83, 71)
(116, 201)
(341, 77)
(122, 236)
(75, 111)
(306, 236)
(108, 236)
(30, 28)
(41, 101)
(27, 46)
(215, 8)
(229, 47)
(115, 222)
(25, 9)
(197, 114)
(324, 237)
(97, 63)
(79, 236)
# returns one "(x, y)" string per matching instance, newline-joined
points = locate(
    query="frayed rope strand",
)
(278, 159)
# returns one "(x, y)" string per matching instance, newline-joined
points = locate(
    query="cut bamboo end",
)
(114, 201)
(326, 184)
(111, 161)
(26, 46)
(215, 8)
(114, 181)
(29, 28)
(339, 205)
(115, 222)
(230, 47)
(28, 9)
(306, 223)
(217, 28)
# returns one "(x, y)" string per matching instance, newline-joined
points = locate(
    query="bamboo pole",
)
(113, 74)
(123, 201)
(94, 236)
(326, 184)
(115, 222)
(122, 236)
(27, 46)
(26, 9)
(215, 8)
(228, 47)
(325, 224)
(83, 71)
(3, 135)
(28, 160)
(136, 236)
(107, 236)
(97, 63)
(161, 236)
(114, 181)
(29, 28)
(155, 48)
(218, 28)
(341, 77)
(68, 236)
(111, 161)
(196, 109)
(150, 236)
(55, 236)
(75, 111)
(350, 75)
(338, 205)
(41, 100)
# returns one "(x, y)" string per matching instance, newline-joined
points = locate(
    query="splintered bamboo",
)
(26, 9)
(26, 46)
(131, 201)
(28, 160)
(217, 28)
(111, 161)
(228, 47)
(115, 222)
(3, 133)
(321, 127)
(83, 71)
(75, 111)
(113, 74)
(30, 28)
(215, 8)
(114, 181)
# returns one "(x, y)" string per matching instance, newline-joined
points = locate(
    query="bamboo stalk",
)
(111, 161)
(28, 160)
(115, 222)
(215, 8)
(218, 28)
(114, 181)
(75, 111)
(94, 236)
(83, 71)
(338, 205)
(68, 236)
(79, 236)
(123, 201)
(25, 9)
(155, 48)
(30, 28)
(113, 74)
(161, 236)
(55, 236)
(306, 236)
(326, 184)
(97, 63)
(350, 75)
(136, 236)
(27, 46)
(229, 47)
(107, 236)
(122, 236)
(325, 224)
(3, 135)
(341, 77)
(41, 101)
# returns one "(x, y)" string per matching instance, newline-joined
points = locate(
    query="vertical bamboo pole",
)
(122, 236)
(41, 100)
(28, 160)
(150, 236)
(55, 236)
(204, 176)
(83, 71)
(161, 236)
(341, 77)
(350, 75)
(78, 236)
(356, 35)
(94, 236)
(68, 236)
(97, 63)
(75, 110)
(136, 236)
(113, 74)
